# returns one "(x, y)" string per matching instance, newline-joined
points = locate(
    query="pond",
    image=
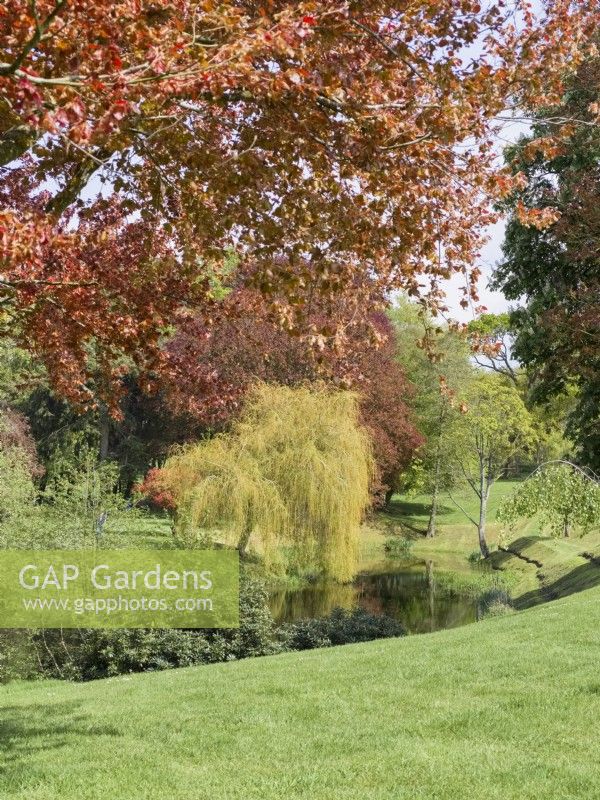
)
(406, 591)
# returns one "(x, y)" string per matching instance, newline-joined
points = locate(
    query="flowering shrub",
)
(153, 492)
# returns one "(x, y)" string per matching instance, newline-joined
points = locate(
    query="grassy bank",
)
(537, 568)
(502, 709)
(545, 569)
(456, 535)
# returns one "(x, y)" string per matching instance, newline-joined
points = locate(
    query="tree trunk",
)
(245, 538)
(434, 498)
(485, 550)
(566, 528)
(104, 423)
(388, 496)
(484, 493)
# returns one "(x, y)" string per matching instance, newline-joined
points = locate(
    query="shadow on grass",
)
(516, 549)
(583, 577)
(412, 515)
(29, 730)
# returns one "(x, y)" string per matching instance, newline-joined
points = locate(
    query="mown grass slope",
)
(507, 708)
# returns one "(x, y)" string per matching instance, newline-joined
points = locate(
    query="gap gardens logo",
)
(119, 589)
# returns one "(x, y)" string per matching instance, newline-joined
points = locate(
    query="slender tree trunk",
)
(245, 538)
(434, 497)
(484, 493)
(104, 423)
(566, 528)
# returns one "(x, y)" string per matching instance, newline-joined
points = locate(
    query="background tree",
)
(551, 256)
(491, 338)
(561, 494)
(292, 477)
(211, 367)
(324, 142)
(438, 380)
(495, 429)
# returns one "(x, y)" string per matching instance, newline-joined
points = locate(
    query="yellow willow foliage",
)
(293, 474)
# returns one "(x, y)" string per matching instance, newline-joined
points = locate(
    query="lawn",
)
(506, 708)
(456, 536)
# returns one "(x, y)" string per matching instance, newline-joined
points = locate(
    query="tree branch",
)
(40, 30)
(467, 515)
(391, 50)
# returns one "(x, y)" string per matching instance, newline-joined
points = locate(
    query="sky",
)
(495, 302)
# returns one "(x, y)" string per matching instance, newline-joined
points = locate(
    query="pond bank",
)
(441, 590)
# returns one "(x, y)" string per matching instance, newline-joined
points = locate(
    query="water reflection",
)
(406, 592)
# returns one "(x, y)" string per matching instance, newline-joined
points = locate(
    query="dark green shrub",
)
(17, 656)
(340, 627)
(88, 654)
(85, 654)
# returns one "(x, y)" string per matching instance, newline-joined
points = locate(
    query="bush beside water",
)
(340, 627)
(398, 547)
(85, 654)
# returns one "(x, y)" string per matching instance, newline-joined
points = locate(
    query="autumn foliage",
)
(327, 142)
(211, 367)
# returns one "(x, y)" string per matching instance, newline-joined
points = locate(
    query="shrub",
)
(153, 493)
(398, 547)
(17, 656)
(17, 498)
(494, 603)
(91, 654)
(15, 434)
(340, 627)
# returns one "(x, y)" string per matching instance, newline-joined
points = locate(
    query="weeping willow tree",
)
(291, 477)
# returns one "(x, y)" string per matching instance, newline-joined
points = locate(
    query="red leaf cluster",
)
(210, 368)
(346, 141)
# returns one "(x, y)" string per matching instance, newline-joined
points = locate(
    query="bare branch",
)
(467, 515)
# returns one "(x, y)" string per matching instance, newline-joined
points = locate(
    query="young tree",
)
(496, 428)
(562, 494)
(329, 143)
(291, 477)
(435, 403)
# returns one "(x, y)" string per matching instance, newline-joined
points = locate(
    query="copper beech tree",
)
(327, 142)
(210, 368)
